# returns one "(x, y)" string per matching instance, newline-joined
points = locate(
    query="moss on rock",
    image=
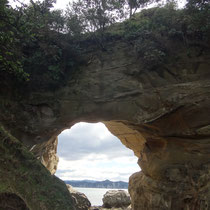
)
(22, 174)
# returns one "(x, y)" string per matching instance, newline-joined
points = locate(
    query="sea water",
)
(94, 195)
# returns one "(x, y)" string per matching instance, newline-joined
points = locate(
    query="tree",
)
(198, 4)
(10, 53)
(93, 15)
(30, 39)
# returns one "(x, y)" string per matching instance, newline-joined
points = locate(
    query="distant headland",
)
(98, 184)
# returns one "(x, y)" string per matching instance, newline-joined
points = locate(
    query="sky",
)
(90, 151)
(61, 4)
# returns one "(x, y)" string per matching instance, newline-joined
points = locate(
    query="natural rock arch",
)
(162, 115)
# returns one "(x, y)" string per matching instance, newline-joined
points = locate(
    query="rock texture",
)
(81, 201)
(47, 154)
(9, 201)
(24, 178)
(183, 188)
(161, 114)
(116, 199)
(101, 208)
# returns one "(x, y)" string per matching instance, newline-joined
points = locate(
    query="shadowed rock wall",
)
(9, 201)
(25, 181)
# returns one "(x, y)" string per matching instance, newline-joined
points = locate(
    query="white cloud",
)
(86, 139)
(90, 151)
(61, 4)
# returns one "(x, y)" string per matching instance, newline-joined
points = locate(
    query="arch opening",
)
(90, 156)
(89, 151)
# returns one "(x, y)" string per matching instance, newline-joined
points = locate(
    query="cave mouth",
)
(10, 201)
(89, 151)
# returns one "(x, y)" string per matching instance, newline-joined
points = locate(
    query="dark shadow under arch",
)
(10, 201)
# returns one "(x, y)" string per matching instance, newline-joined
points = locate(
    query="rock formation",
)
(24, 178)
(116, 199)
(101, 208)
(81, 201)
(162, 114)
(49, 157)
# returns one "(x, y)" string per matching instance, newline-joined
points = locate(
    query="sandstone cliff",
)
(160, 112)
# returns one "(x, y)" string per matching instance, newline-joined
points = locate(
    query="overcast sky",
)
(90, 151)
(61, 4)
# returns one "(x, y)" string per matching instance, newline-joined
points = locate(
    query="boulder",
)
(116, 199)
(80, 199)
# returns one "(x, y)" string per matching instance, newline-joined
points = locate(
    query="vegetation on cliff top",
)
(39, 42)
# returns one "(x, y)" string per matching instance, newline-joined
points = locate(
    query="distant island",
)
(98, 184)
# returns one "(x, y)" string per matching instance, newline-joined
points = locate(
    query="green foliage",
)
(198, 4)
(10, 55)
(39, 42)
(32, 43)
(149, 30)
(92, 15)
(133, 5)
(42, 48)
(95, 15)
(198, 18)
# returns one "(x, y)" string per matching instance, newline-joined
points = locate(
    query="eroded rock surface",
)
(188, 191)
(46, 152)
(162, 114)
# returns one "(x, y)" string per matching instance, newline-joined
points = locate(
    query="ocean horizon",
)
(95, 195)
